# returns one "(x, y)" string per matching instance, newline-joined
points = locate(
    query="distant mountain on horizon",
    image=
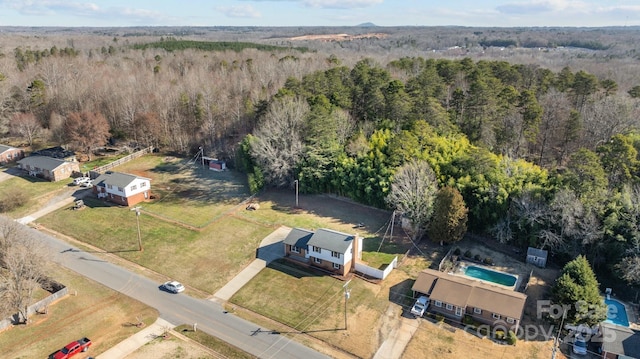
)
(367, 24)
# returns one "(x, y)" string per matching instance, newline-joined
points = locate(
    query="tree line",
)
(540, 158)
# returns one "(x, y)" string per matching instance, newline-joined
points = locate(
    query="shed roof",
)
(537, 252)
(331, 240)
(298, 237)
(43, 162)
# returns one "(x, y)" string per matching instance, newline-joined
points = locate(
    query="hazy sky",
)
(505, 13)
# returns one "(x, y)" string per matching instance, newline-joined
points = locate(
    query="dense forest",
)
(544, 153)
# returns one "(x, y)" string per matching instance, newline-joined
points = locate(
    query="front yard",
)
(96, 312)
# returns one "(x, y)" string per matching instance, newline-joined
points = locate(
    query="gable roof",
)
(331, 240)
(463, 292)
(537, 252)
(115, 179)
(5, 148)
(298, 237)
(623, 340)
(42, 162)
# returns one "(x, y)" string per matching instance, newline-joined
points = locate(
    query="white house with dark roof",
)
(122, 188)
(49, 168)
(329, 250)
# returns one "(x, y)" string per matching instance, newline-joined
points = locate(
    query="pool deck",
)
(462, 264)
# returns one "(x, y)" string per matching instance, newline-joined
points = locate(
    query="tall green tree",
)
(577, 290)
(449, 223)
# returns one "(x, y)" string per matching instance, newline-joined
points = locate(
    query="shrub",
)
(457, 251)
(440, 317)
(467, 320)
(488, 261)
(477, 257)
(499, 335)
(512, 338)
(468, 254)
(483, 331)
(12, 199)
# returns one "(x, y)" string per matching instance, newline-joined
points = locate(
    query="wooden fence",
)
(94, 173)
(34, 308)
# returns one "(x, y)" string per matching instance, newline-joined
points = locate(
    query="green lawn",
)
(314, 303)
(204, 259)
(188, 193)
(95, 312)
(29, 192)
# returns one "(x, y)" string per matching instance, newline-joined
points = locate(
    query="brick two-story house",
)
(332, 251)
(122, 188)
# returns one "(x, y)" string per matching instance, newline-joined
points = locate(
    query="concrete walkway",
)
(270, 249)
(64, 199)
(397, 340)
(131, 344)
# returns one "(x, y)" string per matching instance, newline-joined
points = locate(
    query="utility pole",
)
(555, 342)
(137, 209)
(347, 294)
(296, 183)
(201, 155)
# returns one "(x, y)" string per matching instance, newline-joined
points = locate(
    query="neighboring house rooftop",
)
(620, 340)
(298, 237)
(331, 240)
(115, 179)
(5, 148)
(42, 162)
(463, 292)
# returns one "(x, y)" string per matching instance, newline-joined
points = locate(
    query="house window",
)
(317, 249)
(317, 260)
(120, 189)
(134, 187)
(109, 186)
(335, 254)
(295, 249)
(496, 316)
(143, 184)
(477, 311)
(510, 320)
(336, 266)
(438, 303)
(459, 311)
(449, 306)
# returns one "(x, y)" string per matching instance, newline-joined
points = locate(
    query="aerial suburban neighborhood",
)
(204, 192)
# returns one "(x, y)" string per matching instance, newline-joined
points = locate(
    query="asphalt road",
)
(178, 308)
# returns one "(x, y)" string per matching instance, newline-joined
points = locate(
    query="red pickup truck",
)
(73, 348)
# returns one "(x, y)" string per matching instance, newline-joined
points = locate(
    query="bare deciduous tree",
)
(23, 264)
(26, 126)
(278, 143)
(413, 192)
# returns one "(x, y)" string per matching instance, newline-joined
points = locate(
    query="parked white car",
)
(173, 286)
(420, 306)
(80, 180)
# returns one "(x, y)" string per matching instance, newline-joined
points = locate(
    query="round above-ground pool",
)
(616, 313)
(491, 276)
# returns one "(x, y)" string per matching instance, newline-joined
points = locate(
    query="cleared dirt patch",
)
(170, 348)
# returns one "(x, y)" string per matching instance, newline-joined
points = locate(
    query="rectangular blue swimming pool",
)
(491, 276)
